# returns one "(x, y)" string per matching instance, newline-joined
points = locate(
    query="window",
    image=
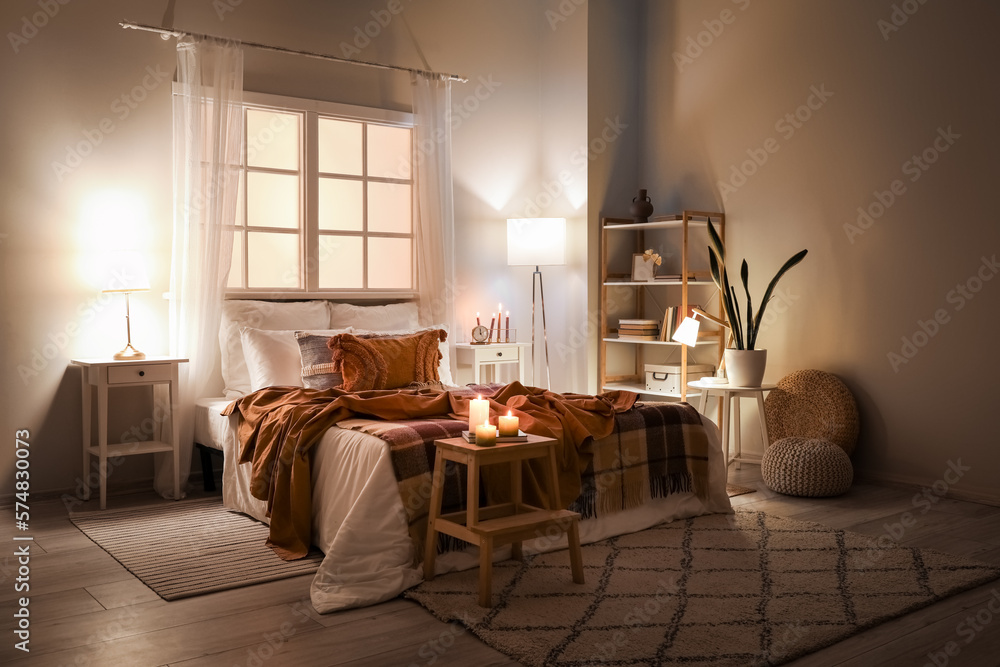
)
(326, 200)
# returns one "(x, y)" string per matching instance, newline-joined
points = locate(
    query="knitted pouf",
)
(804, 467)
(813, 404)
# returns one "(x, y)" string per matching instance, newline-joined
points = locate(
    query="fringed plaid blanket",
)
(656, 449)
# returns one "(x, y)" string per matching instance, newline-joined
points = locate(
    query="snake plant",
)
(745, 338)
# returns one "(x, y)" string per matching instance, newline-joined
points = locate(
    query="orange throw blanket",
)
(278, 427)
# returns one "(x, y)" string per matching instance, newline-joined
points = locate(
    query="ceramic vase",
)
(745, 368)
(641, 207)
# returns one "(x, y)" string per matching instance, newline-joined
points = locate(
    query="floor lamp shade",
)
(537, 242)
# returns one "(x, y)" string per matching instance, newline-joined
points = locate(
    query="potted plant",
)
(744, 363)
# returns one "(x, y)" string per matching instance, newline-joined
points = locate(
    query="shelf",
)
(658, 224)
(675, 283)
(638, 301)
(638, 389)
(130, 448)
(707, 341)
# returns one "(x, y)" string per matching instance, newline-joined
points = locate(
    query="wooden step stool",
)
(496, 525)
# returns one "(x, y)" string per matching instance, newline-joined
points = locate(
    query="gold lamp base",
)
(129, 354)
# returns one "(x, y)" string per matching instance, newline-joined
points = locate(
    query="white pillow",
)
(444, 369)
(375, 318)
(272, 357)
(237, 314)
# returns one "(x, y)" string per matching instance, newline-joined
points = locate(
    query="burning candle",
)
(486, 435)
(478, 323)
(508, 425)
(479, 413)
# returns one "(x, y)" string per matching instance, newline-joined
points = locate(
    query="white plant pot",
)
(745, 368)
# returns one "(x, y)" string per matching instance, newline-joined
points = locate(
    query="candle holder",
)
(507, 336)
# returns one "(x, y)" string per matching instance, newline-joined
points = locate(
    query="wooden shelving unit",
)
(682, 223)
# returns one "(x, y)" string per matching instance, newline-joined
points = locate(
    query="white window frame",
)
(309, 234)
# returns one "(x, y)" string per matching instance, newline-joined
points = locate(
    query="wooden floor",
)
(86, 609)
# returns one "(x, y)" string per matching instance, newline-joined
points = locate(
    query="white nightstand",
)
(725, 393)
(105, 372)
(494, 354)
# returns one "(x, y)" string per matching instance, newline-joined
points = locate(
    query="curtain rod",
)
(280, 49)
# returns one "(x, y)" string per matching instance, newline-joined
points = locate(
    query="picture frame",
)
(642, 271)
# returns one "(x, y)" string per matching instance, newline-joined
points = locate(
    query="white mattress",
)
(359, 521)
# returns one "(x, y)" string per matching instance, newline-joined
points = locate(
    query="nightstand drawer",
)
(494, 352)
(139, 373)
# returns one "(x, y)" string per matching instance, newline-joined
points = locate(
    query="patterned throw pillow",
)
(386, 363)
(317, 364)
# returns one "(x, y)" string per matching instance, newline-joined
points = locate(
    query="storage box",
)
(667, 378)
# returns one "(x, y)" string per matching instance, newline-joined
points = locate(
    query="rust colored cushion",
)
(386, 363)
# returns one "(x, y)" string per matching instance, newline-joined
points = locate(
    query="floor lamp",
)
(537, 242)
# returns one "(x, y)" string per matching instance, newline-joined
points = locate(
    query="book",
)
(647, 322)
(520, 437)
(667, 329)
(652, 337)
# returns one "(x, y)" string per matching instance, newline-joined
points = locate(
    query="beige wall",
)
(858, 294)
(515, 135)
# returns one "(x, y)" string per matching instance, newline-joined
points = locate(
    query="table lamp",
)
(537, 242)
(127, 273)
(687, 332)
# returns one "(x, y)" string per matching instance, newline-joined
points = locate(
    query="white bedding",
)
(359, 522)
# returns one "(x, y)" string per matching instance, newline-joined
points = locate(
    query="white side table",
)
(726, 393)
(100, 374)
(494, 354)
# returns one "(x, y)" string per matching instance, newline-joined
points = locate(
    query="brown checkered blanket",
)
(655, 450)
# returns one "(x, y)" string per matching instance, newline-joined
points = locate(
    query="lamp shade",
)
(125, 271)
(536, 241)
(687, 332)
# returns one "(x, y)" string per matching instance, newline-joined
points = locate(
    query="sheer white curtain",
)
(208, 142)
(435, 219)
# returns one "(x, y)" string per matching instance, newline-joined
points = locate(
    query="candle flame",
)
(509, 414)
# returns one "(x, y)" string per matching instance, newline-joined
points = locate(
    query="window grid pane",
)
(364, 196)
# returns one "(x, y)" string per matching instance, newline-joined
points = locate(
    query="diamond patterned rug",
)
(743, 589)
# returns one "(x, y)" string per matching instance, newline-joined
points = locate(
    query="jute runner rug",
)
(743, 589)
(190, 547)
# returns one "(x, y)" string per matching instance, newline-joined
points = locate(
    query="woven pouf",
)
(805, 467)
(813, 404)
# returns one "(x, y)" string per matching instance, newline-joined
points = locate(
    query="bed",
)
(358, 518)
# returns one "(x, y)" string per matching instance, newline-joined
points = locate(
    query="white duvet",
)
(359, 522)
